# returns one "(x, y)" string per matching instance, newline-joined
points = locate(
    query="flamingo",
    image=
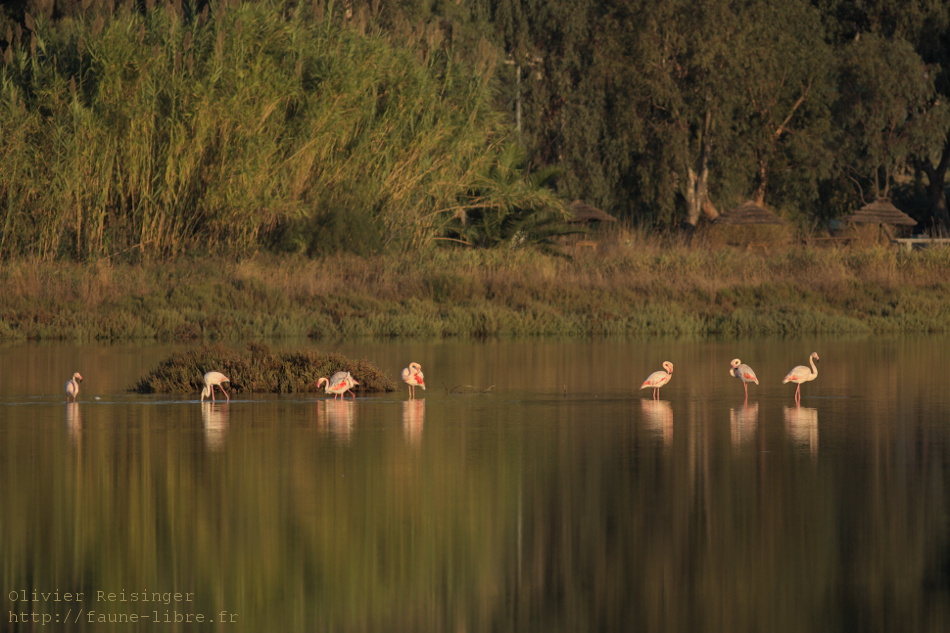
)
(350, 382)
(659, 378)
(412, 376)
(802, 374)
(743, 373)
(339, 384)
(72, 387)
(212, 379)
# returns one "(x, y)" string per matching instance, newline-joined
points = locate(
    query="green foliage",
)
(158, 133)
(888, 109)
(313, 127)
(507, 207)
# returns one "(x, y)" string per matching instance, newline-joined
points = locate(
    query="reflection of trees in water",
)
(503, 526)
(801, 424)
(214, 418)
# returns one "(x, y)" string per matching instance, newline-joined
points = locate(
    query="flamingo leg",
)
(745, 386)
(226, 395)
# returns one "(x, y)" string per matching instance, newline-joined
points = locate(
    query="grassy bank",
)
(629, 286)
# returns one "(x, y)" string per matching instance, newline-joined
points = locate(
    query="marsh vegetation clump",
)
(257, 369)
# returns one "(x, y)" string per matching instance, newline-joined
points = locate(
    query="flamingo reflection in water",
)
(658, 417)
(743, 422)
(337, 417)
(74, 421)
(215, 420)
(413, 419)
(801, 424)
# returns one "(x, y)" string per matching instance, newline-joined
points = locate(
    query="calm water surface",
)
(531, 488)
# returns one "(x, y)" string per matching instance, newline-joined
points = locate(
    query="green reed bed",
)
(258, 370)
(150, 132)
(623, 290)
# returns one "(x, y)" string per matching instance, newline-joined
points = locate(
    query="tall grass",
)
(146, 134)
(632, 287)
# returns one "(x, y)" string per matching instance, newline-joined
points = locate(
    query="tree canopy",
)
(157, 129)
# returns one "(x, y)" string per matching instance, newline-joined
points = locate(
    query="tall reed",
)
(156, 133)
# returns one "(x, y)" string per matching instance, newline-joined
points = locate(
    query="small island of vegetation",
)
(257, 370)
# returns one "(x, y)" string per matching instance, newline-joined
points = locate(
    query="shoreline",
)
(625, 289)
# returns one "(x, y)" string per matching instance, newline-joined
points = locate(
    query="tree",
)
(738, 91)
(509, 207)
(924, 25)
(889, 111)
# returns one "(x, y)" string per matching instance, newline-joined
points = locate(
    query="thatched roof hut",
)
(583, 213)
(881, 211)
(748, 213)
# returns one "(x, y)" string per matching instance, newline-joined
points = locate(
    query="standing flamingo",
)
(802, 374)
(350, 383)
(658, 378)
(339, 384)
(72, 387)
(412, 376)
(743, 373)
(211, 380)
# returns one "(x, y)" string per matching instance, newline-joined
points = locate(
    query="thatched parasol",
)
(583, 213)
(748, 213)
(881, 211)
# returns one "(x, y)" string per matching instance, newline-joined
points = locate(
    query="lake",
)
(532, 487)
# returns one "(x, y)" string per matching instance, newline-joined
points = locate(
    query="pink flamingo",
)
(214, 379)
(743, 373)
(802, 374)
(412, 376)
(658, 378)
(72, 387)
(339, 384)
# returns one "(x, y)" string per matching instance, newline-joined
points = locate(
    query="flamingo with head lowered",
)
(338, 384)
(802, 374)
(658, 378)
(743, 373)
(211, 380)
(412, 376)
(72, 387)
